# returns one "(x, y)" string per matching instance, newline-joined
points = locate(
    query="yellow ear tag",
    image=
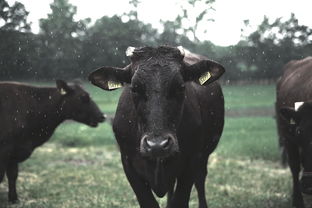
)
(292, 121)
(113, 85)
(63, 92)
(204, 77)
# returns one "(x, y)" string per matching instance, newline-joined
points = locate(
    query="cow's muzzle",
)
(95, 121)
(306, 183)
(158, 146)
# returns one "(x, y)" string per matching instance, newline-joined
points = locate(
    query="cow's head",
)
(157, 78)
(76, 104)
(301, 120)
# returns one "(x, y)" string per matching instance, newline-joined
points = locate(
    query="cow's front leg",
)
(200, 179)
(142, 191)
(183, 189)
(4, 157)
(294, 164)
(12, 173)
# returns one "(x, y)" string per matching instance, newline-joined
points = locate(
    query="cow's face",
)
(302, 123)
(76, 104)
(156, 77)
(157, 89)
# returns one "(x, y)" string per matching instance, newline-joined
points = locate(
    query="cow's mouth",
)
(94, 123)
(158, 156)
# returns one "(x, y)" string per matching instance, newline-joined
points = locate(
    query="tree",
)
(108, 39)
(274, 44)
(16, 42)
(170, 35)
(61, 38)
(14, 17)
(189, 21)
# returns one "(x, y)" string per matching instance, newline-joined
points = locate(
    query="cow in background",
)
(168, 121)
(294, 123)
(29, 115)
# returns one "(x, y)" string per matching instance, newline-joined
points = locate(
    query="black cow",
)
(169, 119)
(294, 122)
(29, 115)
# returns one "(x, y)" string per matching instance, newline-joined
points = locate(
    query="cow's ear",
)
(63, 87)
(203, 72)
(110, 78)
(289, 114)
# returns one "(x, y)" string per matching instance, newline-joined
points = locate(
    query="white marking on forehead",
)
(129, 51)
(298, 105)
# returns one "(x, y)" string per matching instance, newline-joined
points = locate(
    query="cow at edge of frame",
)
(294, 124)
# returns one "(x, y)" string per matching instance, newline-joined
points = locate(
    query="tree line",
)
(67, 48)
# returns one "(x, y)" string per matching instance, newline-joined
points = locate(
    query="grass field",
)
(80, 167)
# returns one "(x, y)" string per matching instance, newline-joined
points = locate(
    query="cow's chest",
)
(22, 151)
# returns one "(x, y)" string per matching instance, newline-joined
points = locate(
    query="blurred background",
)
(253, 39)
(41, 41)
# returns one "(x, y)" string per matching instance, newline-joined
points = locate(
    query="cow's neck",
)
(50, 112)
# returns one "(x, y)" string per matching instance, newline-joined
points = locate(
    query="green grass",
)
(80, 167)
(250, 137)
(249, 96)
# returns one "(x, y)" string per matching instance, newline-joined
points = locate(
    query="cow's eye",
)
(85, 98)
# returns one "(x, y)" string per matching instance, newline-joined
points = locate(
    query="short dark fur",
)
(166, 124)
(295, 127)
(28, 117)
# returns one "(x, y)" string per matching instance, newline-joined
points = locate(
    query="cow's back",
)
(295, 83)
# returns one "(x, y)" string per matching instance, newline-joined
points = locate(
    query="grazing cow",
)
(294, 122)
(169, 119)
(29, 116)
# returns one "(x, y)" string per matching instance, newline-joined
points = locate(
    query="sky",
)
(229, 15)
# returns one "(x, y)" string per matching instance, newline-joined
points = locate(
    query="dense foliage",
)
(68, 48)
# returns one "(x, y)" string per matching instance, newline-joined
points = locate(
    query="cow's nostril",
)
(165, 143)
(150, 143)
(147, 142)
(168, 141)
